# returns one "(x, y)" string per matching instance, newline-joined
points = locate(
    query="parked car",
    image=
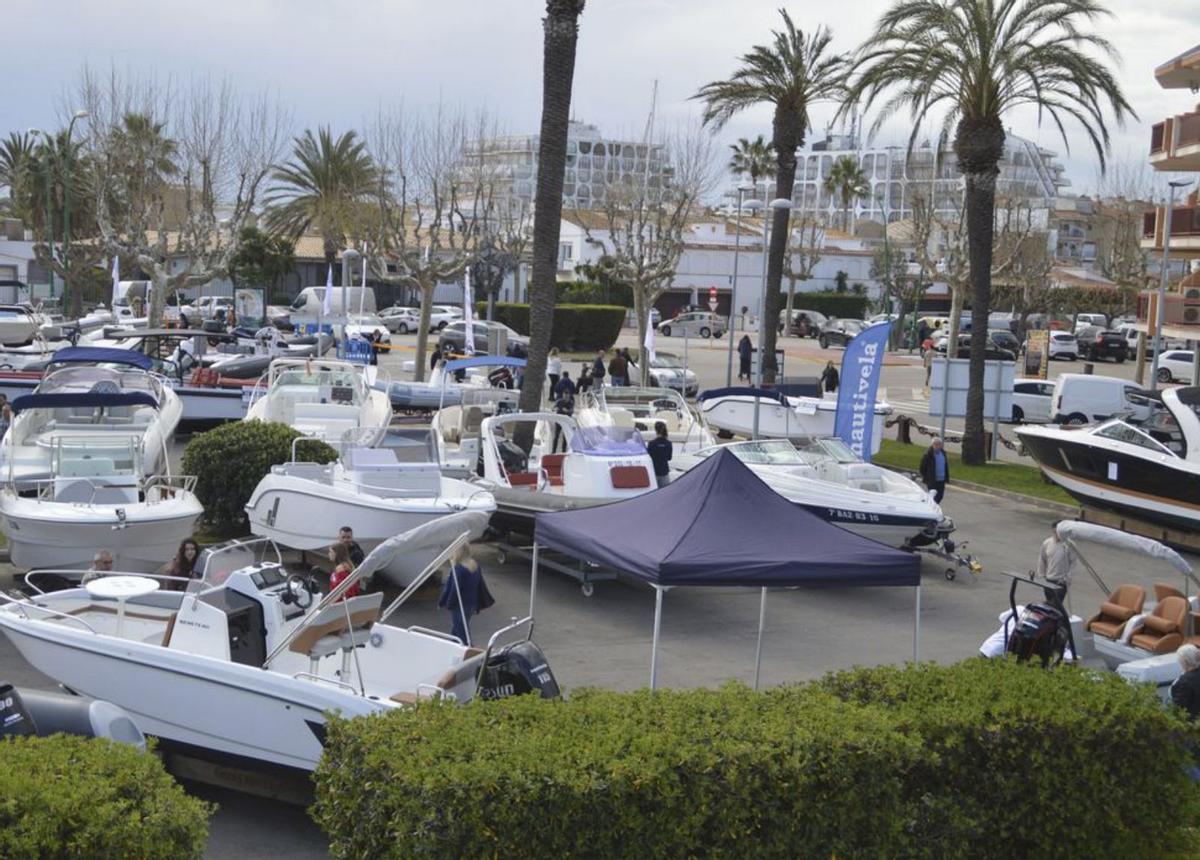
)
(280, 316)
(1175, 366)
(993, 352)
(1081, 398)
(693, 324)
(454, 336)
(667, 371)
(839, 332)
(454, 312)
(1062, 345)
(400, 319)
(1005, 339)
(1031, 401)
(1131, 338)
(367, 326)
(1097, 344)
(1083, 321)
(815, 321)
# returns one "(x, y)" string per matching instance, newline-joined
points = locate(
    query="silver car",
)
(693, 324)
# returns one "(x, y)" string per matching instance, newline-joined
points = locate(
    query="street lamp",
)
(37, 132)
(776, 204)
(737, 244)
(1162, 282)
(79, 114)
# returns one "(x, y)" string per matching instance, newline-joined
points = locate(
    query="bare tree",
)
(805, 243)
(645, 220)
(177, 174)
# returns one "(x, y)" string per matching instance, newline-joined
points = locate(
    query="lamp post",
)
(79, 114)
(776, 204)
(37, 132)
(737, 244)
(1162, 282)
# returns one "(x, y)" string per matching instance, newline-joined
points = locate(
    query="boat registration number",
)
(852, 516)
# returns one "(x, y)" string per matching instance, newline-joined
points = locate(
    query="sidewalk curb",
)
(1021, 498)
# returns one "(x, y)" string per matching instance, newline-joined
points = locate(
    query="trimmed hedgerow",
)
(229, 461)
(576, 328)
(66, 796)
(980, 759)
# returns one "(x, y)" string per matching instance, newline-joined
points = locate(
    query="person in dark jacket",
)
(935, 469)
(585, 380)
(660, 450)
(618, 370)
(598, 370)
(745, 350)
(462, 594)
(1185, 691)
(435, 357)
(830, 377)
(564, 402)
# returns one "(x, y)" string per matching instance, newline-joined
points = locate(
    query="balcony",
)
(1185, 230)
(1175, 143)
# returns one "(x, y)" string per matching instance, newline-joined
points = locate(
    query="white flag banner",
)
(468, 312)
(649, 341)
(116, 276)
(327, 303)
(362, 294)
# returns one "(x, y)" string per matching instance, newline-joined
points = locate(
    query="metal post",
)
(762, 617)
(917, 627)
(945, 391)
(79, 114)
(658, 600)
(1162, 282)
(533, 570)
(737, 244)
(49, 224)
(996, 413)
(761, 322)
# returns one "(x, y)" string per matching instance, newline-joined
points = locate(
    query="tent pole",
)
(917, 627)
(762, 617)
(658, 600)
(533, 578)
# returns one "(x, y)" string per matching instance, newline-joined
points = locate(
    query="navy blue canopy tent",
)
(719, 524)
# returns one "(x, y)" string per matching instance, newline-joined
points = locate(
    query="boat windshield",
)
(830, 446)
(217, 562)
(770, 452)
(1119, 431)
(608, 441)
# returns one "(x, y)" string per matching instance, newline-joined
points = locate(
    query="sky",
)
(338, 63)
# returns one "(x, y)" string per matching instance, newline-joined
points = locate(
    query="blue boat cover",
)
(68, 399)
(98, 354)
(719, 524)
(743, 391)
(483, 361)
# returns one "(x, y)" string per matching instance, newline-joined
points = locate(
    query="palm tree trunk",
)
(787, 135)
(560, 30)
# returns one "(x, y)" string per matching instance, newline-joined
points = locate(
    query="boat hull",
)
(735, 414)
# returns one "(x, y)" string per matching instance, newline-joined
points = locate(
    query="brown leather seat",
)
(1122, 604)
(1163, 630)
(1162, 591)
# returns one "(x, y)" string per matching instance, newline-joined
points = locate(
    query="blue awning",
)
(67, 400)
(743, 391)
(483, 361)
(97, 354)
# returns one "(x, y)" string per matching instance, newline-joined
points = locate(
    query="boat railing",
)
(516, 624)
(22, 605)
(428, 631)
(95, 574)
(321, 679)
(157, 488)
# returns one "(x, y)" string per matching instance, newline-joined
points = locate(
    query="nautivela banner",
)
(861, 366)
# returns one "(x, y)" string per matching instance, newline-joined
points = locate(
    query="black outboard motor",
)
(1040, 632)
(34, 712)
(517, 669)
(512, 456)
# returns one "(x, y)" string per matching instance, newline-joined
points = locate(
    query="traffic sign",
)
(712, 305)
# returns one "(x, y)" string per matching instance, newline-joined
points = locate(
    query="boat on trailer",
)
(642, 409)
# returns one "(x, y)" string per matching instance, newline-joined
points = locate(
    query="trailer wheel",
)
(588, 589)
(950, 574)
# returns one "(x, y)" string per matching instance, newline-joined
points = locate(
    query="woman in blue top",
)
(460, 594)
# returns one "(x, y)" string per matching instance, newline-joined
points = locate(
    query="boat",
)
(456, 427)
(1151, 471)
(641, 409)
(445, 387)
(19, 324)
(246, 665)
(824, 476)
(322, 398)
(35, 354)
(384, 483)
(597, 465)
(732, 410)
(94, 393)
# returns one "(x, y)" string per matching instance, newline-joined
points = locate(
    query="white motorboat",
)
(38, 351)
(19, 324)
(456, 427)
(641, 409)
(96, 393)
(383, 484)
(319, 397)
(779, 417)
(597, 465)
(445, 388)
(244, 665)
(824, 477)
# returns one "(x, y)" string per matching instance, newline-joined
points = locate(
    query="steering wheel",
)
(298, 591)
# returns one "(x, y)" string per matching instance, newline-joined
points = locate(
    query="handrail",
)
(96, 574)
(22, 604)
(416, 628)
(323, 680)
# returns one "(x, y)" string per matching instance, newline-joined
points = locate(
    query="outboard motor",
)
(1041, 632)
(512, 456)
(500, 378)
(517, 669)
(34, 712)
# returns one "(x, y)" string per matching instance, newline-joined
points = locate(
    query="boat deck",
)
(142, 623)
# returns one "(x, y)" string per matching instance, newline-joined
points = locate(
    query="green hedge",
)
(982, 759)
(66, 796)
(229, 461)
(844, 305)
(577, 328)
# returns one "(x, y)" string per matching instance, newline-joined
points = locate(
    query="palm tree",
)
(977, 60)
(752, 158)
(847, 180)
(560, 33)
(17, 159)
(792, 74)
(323, 187)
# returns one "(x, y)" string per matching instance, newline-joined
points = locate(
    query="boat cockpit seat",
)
(669, 417)
(622, 417)
(472, 419)
(523, 479)
(1162, 591)
(1122, 604)
(552, 465)
(1162, 630)
(341, 626)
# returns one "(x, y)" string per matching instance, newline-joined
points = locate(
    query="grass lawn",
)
(1004, 476)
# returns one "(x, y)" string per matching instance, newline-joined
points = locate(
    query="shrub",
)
(66, 796)
(983, 759)
(230, 460)
(832, 304)
(577, 328)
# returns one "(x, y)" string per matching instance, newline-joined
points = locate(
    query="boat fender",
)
(37, 712)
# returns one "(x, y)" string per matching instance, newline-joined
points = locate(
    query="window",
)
(1121, 432)
(8, 273)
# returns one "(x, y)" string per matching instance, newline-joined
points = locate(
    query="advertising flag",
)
(116, 275)
(468, 312)
(861, 366)
(327, 302)
(649, 342)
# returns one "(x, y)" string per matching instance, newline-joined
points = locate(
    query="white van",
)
(1083, 321)
(307, 307)
(1081, 398)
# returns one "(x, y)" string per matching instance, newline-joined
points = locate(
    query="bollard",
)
(1088, 368)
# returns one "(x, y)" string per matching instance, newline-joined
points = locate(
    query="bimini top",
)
(69, 399)
(101, 355)
(607, 441)
(744, 391)
(483, 361)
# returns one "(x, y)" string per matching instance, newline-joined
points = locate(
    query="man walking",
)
(598, 370)
(660, 450)
(935, 469)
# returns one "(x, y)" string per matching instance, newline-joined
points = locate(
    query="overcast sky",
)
(335, 63)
